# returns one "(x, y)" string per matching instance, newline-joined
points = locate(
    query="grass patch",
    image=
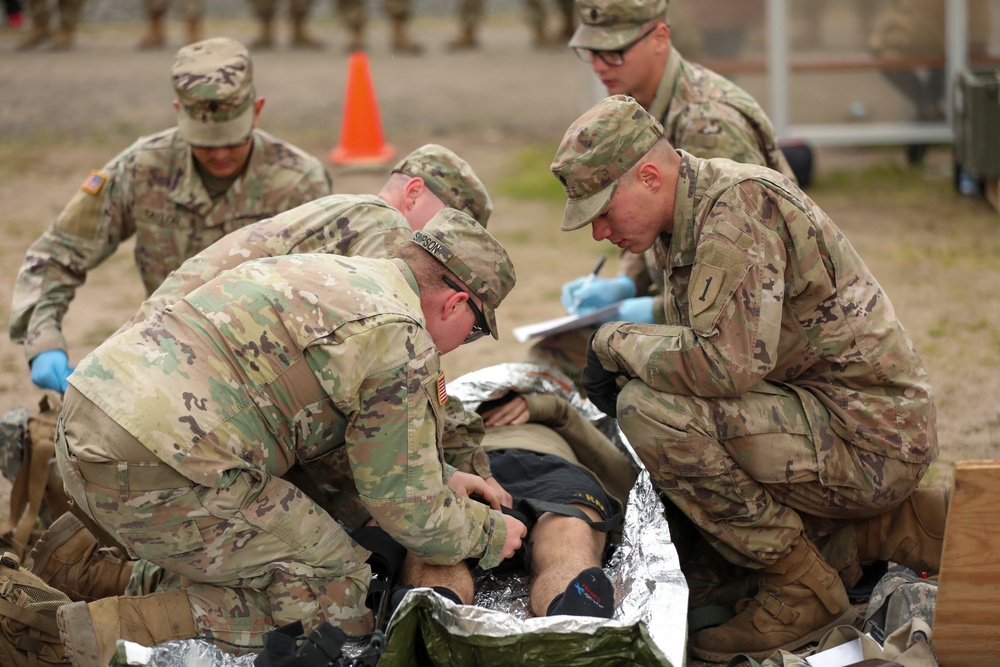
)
(528, 176)
(885, 178)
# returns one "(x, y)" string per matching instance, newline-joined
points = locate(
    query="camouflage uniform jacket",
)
(762, 285)
(151, 190)
(344, 225)
(291, 359)
(706, 115)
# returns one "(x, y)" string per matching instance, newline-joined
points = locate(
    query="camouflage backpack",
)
(29, 636)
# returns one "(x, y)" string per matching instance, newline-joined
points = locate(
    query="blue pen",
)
(586, 283)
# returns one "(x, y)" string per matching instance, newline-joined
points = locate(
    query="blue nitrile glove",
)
(638, 310)
(580, 298)
(50, 369)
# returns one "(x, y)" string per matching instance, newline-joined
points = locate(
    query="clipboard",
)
(565, 323)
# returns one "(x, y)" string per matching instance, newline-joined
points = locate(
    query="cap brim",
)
(491, 320)
(579, 212)
(208, 135)
(604, 38)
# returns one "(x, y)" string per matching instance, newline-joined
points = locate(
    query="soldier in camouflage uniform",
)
(192, 11)
(354, 16)
(628, 44)
(177, 192)
(780, 394)
(40, 12)
(470, 14)
(202, 407)
(298, 14)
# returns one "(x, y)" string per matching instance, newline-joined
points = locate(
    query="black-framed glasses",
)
(481, 326)
(611, 57)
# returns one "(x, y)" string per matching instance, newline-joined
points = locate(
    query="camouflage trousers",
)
(268, 8)
(189, 9)
(40, 12)
(757, 471)
(352, 12)
(253, 556)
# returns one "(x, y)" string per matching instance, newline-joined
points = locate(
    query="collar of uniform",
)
(666, 90)
(407, 272)
(684, 240)
(189, 191)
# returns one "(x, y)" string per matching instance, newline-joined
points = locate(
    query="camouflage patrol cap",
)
(596, 150)
(607, 25)
(213, 80)
(456, 240)
(449, 177)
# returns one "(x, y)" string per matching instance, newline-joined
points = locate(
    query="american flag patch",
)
(442, 390)
(94, 182)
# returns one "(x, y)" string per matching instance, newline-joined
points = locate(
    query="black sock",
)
(447, 593)
(399, 592)
(589, 594)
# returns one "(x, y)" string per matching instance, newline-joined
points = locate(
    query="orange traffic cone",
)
(361, 139)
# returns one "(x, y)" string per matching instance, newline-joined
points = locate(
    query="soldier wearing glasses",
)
(628, 45)
(177, 192)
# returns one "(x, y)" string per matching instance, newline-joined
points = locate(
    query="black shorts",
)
(525, 474)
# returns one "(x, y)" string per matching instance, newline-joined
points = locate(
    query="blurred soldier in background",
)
(40, 13)
(192, 12)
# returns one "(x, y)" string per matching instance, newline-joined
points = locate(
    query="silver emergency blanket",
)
(649, 586)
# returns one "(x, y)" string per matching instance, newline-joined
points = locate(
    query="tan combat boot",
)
(401, 42)
(90, 630)
(799, 599)
(155, 37)
(265, 38)
(69, 558)
(301, 38)
(911, 534)
(64, 39)
(36, 37)
(465, 41)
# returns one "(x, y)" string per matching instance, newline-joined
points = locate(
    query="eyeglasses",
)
(481, 327)
(611, 57)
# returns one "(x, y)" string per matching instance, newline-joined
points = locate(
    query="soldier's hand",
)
(601, 385)
(516, 532)
(638, 310)
(503, 497)
(587, 294)
(50, 370)
(468, 485)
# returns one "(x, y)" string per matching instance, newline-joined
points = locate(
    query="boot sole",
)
(847, 618)
(77, 634)
(61, 530)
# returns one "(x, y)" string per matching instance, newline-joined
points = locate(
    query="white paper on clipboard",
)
(566, 323)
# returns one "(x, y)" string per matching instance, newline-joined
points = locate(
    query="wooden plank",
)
(967, 611)
(992, 191)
